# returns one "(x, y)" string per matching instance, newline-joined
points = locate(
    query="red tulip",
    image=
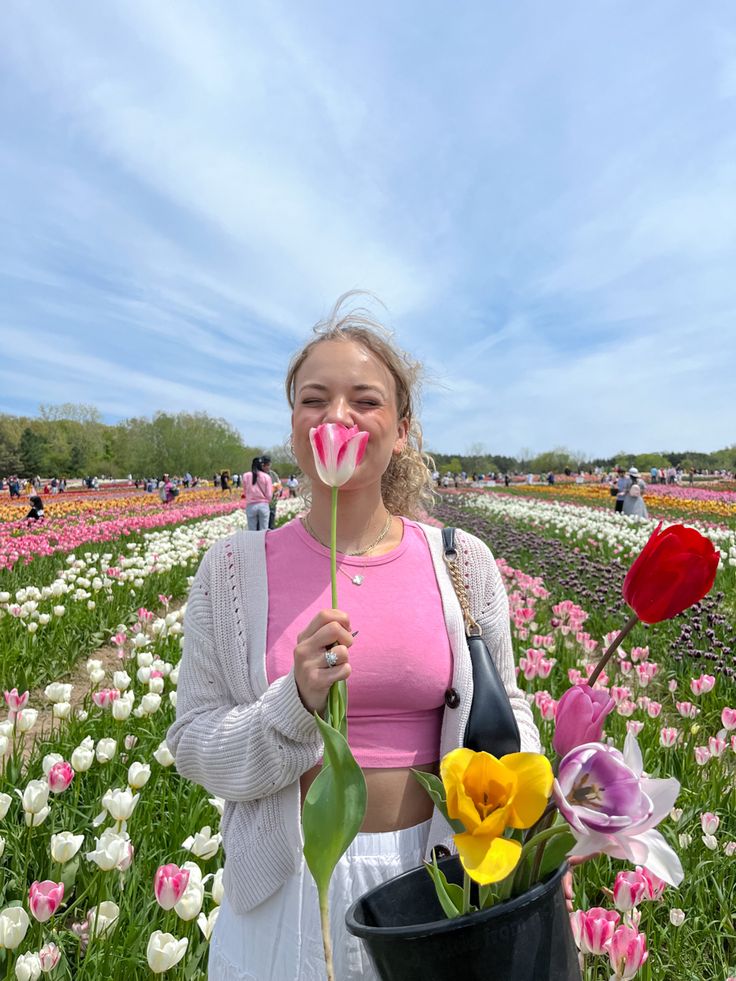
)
(676, 568)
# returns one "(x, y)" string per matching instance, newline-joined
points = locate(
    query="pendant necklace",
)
(358, 578)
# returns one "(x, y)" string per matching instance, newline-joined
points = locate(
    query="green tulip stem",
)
(466, 892)
(324, 915)
(542, 837)
(334, 695)
(626, 629)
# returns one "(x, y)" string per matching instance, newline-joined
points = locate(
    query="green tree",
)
(33, 453)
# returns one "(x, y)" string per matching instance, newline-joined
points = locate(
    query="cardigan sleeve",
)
(236, 751)
(492, 615)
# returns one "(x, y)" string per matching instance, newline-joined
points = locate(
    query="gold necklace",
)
(362, 551)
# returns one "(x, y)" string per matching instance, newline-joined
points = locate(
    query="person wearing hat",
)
(633, 502)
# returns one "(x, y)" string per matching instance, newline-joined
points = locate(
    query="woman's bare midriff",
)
(396, 799)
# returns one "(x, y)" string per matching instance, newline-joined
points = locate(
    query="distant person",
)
(225, 481)
(36, 511)
(258, 488)
(622, 486)
(634, 498)
(277, 488)
(293, 484)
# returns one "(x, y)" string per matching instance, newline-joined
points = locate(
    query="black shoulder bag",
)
(491, 725)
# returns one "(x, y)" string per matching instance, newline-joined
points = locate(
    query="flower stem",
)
(334, 695)
(541, 837)
(466, 892)
(626, 629)
(324, 915)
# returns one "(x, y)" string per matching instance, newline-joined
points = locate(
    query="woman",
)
(633, 498)
(258, 488)
(254, 670)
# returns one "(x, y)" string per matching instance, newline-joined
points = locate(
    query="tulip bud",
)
(169, 885)
(44, 898)
(628, 890)
(150, 703)
(105, 750)
(65, 845)
(28, 967)
(218, 890)
(60, 777)
(14, 923)
(677, 916)
(163, 755)
(2, 846)
(627, 951)
(207, 923)
(338, 451)
(49, 760)
(138, 775)
(16, 701)
(58, 692)
(102, 918)
(49, 956)
(26, 720)
(82, 759)
(61, 710)
(35, 796)
(164, 951)
(709, 822)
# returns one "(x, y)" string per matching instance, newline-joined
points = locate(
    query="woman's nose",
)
(339, 411)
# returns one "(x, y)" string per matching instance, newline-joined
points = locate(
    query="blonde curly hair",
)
(406, 486)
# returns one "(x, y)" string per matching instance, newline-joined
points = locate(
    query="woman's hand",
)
(314, 678)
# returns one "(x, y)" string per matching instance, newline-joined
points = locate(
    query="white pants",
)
(281, 940)
(257, 515)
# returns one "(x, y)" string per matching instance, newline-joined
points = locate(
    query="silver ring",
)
(330, 659)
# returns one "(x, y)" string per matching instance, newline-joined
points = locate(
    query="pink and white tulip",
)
(15, 701)
(628, 890)
(169, 885)
(60, 777)
(337, 452)
(627, 951)
(593, 928)
(728, 718)
(702, 685)
(49, 956)
(709, 822)
(44, 899)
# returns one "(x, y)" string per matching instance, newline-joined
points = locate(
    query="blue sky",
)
(543, 195)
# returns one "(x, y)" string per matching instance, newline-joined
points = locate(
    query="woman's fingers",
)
(323, 618)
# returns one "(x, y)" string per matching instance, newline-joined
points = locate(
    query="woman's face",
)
(343, 382)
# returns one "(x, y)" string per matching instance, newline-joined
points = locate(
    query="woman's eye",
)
(370, 405)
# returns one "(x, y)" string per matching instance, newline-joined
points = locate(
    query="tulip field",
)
(111, 863)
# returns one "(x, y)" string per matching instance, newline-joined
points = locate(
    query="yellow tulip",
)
(489, 795)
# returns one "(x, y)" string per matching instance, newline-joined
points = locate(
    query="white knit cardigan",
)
(249, 742)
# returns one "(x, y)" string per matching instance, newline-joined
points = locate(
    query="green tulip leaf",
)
(449, 894)
(436, 790)
(334, 807)
(554, 853)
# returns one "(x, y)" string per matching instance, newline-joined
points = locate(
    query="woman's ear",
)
(403, 436)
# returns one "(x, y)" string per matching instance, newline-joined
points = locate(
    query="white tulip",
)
(49, 760)
(91, 604)
(121, 680)
(218, 803)
(130, 741)
(31, 628)
(82, 759)
(37, 819)
(5, 746)
(105, 750)
(190, 904)
(164, 951)
(14, 923)
(122, 707)
(120, 804)
(97, 676)
(28, 967)
(5, 801)
(25, 720)
(174, 676)
(59, 611)
(82, 715)
(203, 844)
(143, 675)
(150, 703)
(677, 916)
(65, 845)
(7, 728)
(61, 710)
(140, 640)
(156, 685)
(112, 849)
(172, 698)
(163, 755)
(2, 846)
(207, 923)
(35, 796)
(102, 918)
(93, 664)
(138, 775)
(145, 659)
(217, 890)
(4, 597)
(58, 692)
(43, 619)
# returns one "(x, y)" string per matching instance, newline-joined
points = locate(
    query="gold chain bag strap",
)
(492, 726)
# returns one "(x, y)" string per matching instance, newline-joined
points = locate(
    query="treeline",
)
(72, 441)
(477, 460)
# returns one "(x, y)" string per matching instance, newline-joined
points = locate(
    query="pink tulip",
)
(653, 709)
(626, 667)
(728, 718)
(687, 710)
(620, 693)
(655, 886)
(634, 726)
(672, 684)
(709, 822)
(44, 898)
(581, 714)
(105, 697)
(716, 746)
(337, 452)
(702, 685)
(49, 956)
(627, 950)
(702, 755)
(593, 928)
(628, 890)
(60, 776)
(15, 702)
(668, 736)
(169, 885)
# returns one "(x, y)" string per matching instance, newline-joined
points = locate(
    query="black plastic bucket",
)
(408, 936)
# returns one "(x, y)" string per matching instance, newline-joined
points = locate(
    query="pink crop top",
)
(401, 658)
